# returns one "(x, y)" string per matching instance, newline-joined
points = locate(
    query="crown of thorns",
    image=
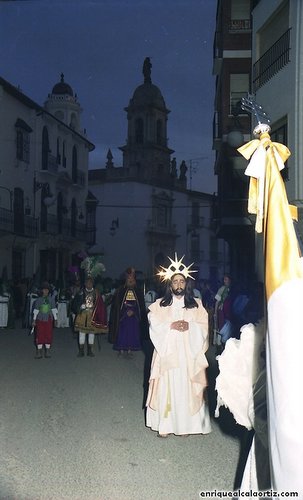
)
(176, 267)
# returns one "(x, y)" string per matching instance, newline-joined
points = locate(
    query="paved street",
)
(74, 429)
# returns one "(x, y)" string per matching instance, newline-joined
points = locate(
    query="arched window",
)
(23, 131)
(139, 131)
(45, 148)
(75, 165)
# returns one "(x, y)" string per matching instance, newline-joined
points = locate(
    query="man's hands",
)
(180, 326)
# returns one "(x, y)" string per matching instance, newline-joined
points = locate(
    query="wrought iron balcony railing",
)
(272, 61)
(239, 25)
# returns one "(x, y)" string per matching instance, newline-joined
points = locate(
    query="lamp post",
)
(10, 192)
(36, 186)
(114, 226)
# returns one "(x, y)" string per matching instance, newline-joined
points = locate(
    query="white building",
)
(277, 80)
(43, 182)
(145, 211)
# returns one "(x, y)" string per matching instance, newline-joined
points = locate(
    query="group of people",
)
(173, 332)
(89, 317)
(235, 306)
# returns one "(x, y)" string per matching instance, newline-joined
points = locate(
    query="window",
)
(195, 214)
(240, 15)
(162, 210)
(162, 216)
(273, 46)
(240, 9)
(239, 87)
(23, 140)
(23, 146)
(273, 30)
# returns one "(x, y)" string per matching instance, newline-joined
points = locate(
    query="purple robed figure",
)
(129, 326)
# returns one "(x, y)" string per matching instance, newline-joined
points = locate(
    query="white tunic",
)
(175, 403)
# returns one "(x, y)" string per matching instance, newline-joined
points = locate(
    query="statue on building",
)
(183, 169)
(147, 65)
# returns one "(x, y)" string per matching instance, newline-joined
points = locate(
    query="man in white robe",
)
(179, 332)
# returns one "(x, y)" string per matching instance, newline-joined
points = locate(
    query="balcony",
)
(63, 227)
(239, 25)
(6, 221)
(30, 227)
(50, 164)
(272, 61)
(10, 223)
(153, 227)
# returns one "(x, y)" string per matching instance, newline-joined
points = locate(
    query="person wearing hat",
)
(91, 318)
(176, 402)
(45, 313)
(128, 324)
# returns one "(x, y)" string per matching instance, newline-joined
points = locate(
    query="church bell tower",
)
(146, 153)
(64, 105)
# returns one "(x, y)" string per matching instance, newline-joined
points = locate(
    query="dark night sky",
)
(100, 47)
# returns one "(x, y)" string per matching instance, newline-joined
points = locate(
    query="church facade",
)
(145, 212)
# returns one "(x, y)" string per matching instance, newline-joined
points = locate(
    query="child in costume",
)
(45, 313)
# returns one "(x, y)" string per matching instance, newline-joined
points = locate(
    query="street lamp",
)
(10, 197)
(48, 197)
(114, 226)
